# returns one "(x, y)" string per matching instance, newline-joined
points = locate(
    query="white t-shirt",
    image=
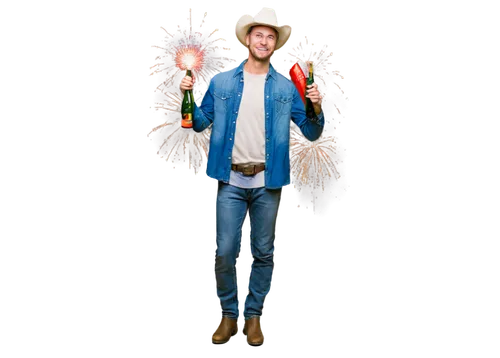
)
(249, 138)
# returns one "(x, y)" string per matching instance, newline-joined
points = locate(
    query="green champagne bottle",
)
(310, 80)
(187, 108)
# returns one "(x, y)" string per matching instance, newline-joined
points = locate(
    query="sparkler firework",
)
(186, 49)
(322, 65)
(312, 164)
(204, 53)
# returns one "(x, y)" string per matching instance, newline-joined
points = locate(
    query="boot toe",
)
(227, 328)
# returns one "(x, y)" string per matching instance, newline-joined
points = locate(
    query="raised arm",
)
(310, 127)
(204, 115)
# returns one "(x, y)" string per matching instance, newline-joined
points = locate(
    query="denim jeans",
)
(232, 206)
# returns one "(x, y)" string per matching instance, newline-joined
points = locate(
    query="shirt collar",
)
(272, 69)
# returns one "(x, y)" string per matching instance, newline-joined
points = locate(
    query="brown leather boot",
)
(253, 331)
(227, 328)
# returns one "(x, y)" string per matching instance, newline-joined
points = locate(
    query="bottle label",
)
(187, 120)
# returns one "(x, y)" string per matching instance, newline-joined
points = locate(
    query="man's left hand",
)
(313, 94)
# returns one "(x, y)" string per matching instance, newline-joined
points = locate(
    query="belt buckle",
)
(248, 170)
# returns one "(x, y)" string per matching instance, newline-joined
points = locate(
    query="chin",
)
(260, 57)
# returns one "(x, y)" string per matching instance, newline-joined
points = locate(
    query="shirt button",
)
(267, 96)
(228, 157)
(230, 138)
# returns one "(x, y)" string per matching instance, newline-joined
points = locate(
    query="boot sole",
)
(217, 344)
(255, 345)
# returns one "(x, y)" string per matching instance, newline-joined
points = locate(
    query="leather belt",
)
(247, 169)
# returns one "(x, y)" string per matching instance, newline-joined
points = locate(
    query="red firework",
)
(190, 56)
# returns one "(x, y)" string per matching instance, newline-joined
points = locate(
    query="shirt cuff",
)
(318, 119)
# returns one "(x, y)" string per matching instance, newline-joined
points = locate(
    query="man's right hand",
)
(187, 83)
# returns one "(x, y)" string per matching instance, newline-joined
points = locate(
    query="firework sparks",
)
(317, 168)
(179, 146)
(329, 78)
(190, 57)
(188, 60)
(313, 164)
(178, 143)
(205, 53)
(187, 48)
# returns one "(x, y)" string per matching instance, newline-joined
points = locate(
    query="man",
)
(250, 108)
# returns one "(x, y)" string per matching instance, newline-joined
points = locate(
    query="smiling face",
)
(261, 42)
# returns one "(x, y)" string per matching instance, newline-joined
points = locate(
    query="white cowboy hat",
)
(266, 17)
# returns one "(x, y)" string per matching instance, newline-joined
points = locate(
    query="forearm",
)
(312, 128)
(201, 120)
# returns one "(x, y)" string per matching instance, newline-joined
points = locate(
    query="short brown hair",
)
(275, 31)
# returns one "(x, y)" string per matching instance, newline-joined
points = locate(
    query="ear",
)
(247, 39)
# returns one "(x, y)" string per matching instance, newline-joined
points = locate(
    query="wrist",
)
(317, 108)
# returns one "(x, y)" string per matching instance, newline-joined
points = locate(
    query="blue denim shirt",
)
(282, 102)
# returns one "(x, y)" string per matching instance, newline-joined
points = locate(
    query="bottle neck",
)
(188, 92)
(311, 76)
(310, 79)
